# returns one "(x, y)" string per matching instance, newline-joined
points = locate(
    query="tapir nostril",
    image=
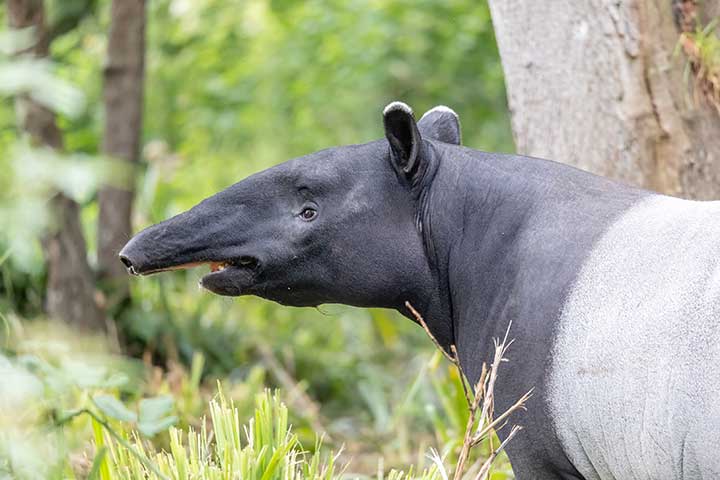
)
(247, 262)
(126, 261)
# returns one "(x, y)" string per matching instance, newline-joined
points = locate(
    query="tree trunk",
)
(596, 84)
(123, 92)
(70, 286)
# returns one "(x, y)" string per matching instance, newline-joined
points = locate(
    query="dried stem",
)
(463, 377)
(468, 438)
(482, 421)
(485, 469)
(519, 405)
(421, 321)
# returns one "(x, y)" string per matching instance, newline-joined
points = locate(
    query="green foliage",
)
(34, 78)
(231, 88)
(44, 379)
(50, 386)
(702, 49)
(152, 417)
(113, 408)
(263, 449)
(35, 174)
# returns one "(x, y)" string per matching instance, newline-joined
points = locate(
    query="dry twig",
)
(482, 421)
(421, 321)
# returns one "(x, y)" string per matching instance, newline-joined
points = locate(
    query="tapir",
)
(613, 291)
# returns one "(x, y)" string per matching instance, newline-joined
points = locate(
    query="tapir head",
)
(337, 226)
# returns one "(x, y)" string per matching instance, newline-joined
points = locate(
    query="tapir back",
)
(636, 366)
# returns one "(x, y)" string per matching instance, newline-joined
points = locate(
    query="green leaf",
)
(154, 415)
(114, 408)
(100, 444)
(150, 428)
(97, 464)
(67, 415)
(153, 409)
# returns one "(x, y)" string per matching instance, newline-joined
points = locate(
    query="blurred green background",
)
(232, 87)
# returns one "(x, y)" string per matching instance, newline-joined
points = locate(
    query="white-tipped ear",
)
(404, 137)
(441, 123)
(397, 106)
(441, 109)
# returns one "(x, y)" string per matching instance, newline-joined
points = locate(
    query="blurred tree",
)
(596, 85)
(70, 286)
(123, 92)
(63, 16)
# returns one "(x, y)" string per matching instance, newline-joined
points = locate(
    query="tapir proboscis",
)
(613, 291)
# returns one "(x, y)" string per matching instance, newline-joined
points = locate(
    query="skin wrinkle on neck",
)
(437, 308)
(451, 226)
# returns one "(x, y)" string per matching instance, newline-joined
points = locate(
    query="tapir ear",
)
(404, 138)
(441, 123)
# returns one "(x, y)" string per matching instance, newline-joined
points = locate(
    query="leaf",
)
(114, 408)
(95, 471)
(100, 444)
(64, 416)
(153, 409)
(82, 374)
(151, 428)
(115, 380)
(36, 78)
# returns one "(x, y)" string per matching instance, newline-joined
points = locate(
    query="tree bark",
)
(596, 84)
(70, 286)
(123, 92)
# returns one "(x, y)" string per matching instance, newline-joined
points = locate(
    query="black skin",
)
(473, 240)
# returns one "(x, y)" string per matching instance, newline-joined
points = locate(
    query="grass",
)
(265, 448)
(108, 417)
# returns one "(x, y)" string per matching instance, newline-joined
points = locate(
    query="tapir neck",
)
(507, 236)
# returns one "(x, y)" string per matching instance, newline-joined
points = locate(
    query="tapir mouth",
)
(244, 261)
(229, 277)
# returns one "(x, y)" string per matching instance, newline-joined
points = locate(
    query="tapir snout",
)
(211, 233)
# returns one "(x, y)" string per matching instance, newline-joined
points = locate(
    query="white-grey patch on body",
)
(634, 387)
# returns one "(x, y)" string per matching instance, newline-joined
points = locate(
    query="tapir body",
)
(613, 292)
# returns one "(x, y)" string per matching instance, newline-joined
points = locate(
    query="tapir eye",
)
(308, 214)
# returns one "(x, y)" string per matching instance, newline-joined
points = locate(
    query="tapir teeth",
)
(217, 266)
